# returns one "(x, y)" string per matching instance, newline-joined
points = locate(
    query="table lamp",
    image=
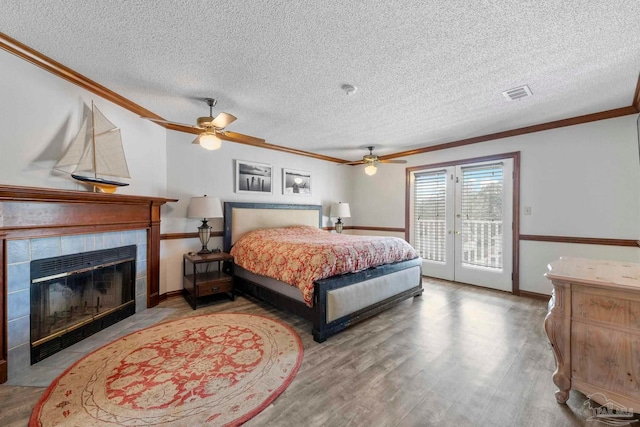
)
(340, 210)
(205, 208)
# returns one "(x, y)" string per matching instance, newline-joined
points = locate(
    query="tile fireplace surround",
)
(39, 223)
(20, 253)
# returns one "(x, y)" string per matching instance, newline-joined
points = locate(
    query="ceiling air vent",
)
(517, 93)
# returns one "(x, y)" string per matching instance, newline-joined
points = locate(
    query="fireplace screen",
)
(75, 296)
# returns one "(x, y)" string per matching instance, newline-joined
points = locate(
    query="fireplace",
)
(75, 296)
(38, 223)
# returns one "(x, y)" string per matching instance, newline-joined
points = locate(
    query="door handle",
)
(457, 232)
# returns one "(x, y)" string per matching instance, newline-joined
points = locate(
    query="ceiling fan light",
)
(371, 170)
(209, 141)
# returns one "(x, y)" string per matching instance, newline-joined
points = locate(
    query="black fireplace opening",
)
(75, 296)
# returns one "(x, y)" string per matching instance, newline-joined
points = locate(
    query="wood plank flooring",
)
(457, 356)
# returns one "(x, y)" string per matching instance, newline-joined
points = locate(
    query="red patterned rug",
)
(211, 370)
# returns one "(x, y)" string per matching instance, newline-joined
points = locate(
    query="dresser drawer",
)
(210, 288)
(607, 309)
(606, 358)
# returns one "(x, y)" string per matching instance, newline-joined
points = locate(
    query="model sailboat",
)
(96, 151)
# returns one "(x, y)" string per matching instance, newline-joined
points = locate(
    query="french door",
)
(461, 222)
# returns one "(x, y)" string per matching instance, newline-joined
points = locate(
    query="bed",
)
(337, 301)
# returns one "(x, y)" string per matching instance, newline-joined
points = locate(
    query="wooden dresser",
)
(593, 325)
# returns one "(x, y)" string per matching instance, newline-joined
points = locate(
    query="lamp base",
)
(339, 226)
(207, 251)
(204, 233)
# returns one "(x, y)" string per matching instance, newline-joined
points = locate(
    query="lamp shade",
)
(209, 141)
(340, 210)
(204, 207)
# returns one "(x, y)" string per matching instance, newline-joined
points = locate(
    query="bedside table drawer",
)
(223, 285)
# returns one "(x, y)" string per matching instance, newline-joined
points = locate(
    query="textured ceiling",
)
(426, 72)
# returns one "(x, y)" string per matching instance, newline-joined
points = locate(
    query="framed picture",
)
(296, 182)
(252, 177)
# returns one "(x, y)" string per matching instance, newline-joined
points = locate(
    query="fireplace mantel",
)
(27, 212)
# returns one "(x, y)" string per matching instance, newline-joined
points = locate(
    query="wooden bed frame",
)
(240, 218)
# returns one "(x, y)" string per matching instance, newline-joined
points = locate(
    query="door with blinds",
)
(461, 222)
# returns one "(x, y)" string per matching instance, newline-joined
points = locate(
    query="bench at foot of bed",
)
(322, 332)
(342, 301)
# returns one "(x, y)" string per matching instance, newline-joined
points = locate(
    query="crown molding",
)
(636, 97)
(48, 64)
(266, 145)
(602, 115)
(36, 58)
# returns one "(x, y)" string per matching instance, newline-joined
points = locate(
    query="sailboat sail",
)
(78, 145)
(95, 151)
(109, 155)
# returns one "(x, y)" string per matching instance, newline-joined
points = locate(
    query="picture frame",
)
(296, 182)
(253, 177)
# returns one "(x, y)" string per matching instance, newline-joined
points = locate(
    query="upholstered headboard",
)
(240, 218)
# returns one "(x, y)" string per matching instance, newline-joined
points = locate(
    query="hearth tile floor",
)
(44, 372)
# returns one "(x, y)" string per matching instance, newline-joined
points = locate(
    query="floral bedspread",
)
(300, 255)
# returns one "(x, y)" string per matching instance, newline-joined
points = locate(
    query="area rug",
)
(210, 370)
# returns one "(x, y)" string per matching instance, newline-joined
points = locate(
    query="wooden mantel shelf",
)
(27, 213)
(33, 194)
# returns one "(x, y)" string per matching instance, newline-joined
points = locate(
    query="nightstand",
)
(199, 279)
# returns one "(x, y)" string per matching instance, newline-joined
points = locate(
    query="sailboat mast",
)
(93, 141)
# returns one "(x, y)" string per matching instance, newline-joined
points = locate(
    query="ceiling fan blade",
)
(222, 120)
(357, 162)
(392, 161)
(170, 122)
(238, 137)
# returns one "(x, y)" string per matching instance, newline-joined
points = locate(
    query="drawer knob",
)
(216, 288)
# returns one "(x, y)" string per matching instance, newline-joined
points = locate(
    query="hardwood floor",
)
(457, 356)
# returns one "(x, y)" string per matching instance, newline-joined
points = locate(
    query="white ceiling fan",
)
(213, 129)
(371, 160)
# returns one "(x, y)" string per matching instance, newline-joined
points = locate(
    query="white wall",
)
(40, 114)
(580, 181)
(194, 171)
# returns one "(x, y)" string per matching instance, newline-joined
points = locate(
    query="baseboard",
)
(534, 295)
(170, 294)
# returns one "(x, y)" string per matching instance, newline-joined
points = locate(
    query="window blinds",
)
(429, 214)
(481, 209)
